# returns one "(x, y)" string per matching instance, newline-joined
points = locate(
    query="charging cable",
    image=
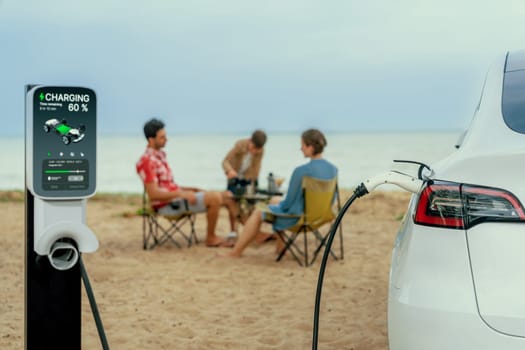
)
(404, 181)
(93, 304)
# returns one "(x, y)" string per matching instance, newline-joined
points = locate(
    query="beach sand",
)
(171, 298)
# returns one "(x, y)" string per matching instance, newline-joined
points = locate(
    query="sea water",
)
(196, 159)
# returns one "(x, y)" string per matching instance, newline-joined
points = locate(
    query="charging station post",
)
(60, 174)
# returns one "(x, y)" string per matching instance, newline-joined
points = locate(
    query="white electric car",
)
(457, 279)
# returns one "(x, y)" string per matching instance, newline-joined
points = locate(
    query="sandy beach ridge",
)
(171, 298)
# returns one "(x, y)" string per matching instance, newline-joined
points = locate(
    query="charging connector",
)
(406, 182)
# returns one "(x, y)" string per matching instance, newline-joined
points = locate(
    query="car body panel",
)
(516, 61)
(432, 303)
(496, 161)
(499, 170)
(498, 268)
(427, 328)
(465, 289)
(488, 131)
(433, 262)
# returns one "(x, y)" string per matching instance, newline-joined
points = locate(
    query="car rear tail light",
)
(459, 206)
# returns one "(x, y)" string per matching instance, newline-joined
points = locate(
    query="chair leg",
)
(149, 232)
(284, 238)
(322, 243)
(168, 234)
(155, 233)
(176, 227)
(306, 250)
(290, 246)
(144, 231)
(193, 234)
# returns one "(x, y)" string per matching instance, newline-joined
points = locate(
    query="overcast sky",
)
(235, 65)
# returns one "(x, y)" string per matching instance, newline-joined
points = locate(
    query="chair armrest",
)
(271, 217)
(284, 215)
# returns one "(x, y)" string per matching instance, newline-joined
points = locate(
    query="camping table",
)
(247, 202)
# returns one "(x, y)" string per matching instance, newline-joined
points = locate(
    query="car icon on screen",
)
(67, 133)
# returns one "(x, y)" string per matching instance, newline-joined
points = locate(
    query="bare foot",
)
(229, 255)
(219, 242)
(262, 237)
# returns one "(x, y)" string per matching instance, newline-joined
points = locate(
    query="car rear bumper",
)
(432, 303)
(419, 327)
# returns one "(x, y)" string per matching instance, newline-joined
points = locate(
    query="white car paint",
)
(464, 288)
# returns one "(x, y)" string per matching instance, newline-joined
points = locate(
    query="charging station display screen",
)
(64, 141)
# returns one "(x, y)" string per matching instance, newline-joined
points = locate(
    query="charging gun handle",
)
(406, 182)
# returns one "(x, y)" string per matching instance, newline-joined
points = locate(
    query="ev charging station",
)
(60, 174)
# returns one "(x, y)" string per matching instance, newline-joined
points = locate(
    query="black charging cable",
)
(360, 191)
(93, 304)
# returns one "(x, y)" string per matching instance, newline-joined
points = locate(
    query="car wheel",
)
(46, 128)
(66, 140)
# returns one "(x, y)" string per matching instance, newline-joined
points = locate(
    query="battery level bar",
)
(64, 171)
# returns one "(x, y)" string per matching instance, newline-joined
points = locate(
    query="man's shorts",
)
(178, 206)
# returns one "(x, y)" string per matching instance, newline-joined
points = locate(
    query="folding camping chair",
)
(319, 197)
(158, 229)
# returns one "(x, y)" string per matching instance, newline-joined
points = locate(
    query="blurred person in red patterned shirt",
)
(166, 196)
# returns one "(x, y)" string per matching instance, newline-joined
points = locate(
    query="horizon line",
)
(272, 132)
